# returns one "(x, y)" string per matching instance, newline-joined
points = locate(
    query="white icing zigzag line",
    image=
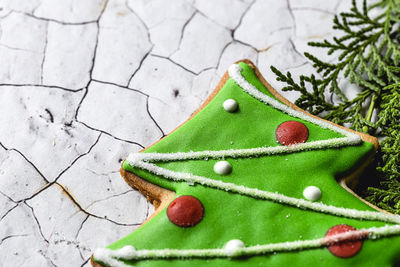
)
(257, 193)
(129, 253)
(242, 153)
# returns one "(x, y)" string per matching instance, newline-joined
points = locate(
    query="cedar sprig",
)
(367, 54)
(387, 196)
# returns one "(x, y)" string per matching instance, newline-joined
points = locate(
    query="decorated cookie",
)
(252, 180)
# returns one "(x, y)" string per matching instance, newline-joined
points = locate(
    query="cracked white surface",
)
(263, 19)
(100, 233)
(83, 83)
(40, 125)
(285, 56)
(328, 6)
(19, 5)
(164, 21)
(123, 42)
(120, 112)
(71, 11)
(21, 243)
(5, 205)
(99, 170)
(67, 45)
(226, 13)
(308, 32)
(172, 97)
(236, 51)
(201, 45)
(60, 217)
(20, 32)
(22, 43)
(21, 181)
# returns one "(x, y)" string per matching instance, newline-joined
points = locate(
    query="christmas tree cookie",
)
(252, 180)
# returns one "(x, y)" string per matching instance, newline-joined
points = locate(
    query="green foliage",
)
(368, 55)
(387, 195)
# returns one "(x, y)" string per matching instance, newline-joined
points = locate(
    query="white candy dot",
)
(222, 167)
(312, 193)
(230, 105)
(232, 246)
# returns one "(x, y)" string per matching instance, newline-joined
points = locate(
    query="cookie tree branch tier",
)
(251, 179)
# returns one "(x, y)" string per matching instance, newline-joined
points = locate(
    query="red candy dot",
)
(345, 248)
(185, 211)
(291, 132)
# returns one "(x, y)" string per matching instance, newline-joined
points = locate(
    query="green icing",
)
(232, 216)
